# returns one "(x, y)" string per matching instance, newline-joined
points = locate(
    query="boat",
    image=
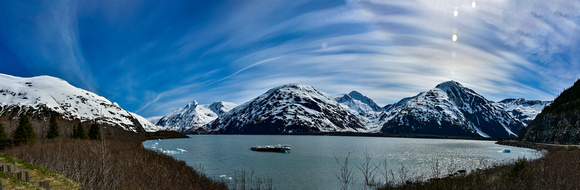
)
(272, 148)
(505, 150)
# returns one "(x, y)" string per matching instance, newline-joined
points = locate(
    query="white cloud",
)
(400, 49)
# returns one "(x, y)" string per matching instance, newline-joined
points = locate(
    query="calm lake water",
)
(311, 164)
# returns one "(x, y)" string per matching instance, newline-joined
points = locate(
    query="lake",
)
(312, 162)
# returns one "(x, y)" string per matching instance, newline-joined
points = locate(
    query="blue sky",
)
(154, 56)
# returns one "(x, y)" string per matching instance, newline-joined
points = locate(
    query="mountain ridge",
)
(46, 93)
(287, 109)
(371, 117)
(193, 116)
(450, 109)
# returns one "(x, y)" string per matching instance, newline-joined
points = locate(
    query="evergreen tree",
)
(74, 133)
(79, 132)
(53, 129)
(24, 133)
(95, 132)
(4, 140)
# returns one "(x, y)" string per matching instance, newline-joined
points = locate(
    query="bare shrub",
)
(243, 180)
(369, 170)
(346, 175)
(114, 163)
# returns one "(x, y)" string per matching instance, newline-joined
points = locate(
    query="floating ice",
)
(176, 151)
(225, 177)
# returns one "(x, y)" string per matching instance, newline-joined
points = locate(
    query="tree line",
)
(24, 133)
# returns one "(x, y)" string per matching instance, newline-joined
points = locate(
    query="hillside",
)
(559, 122)
(43, 94)
(40, 177)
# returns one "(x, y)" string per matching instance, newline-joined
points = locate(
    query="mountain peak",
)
(364, 99)
(449, 84)
(451, 109)
(356, 95)
(221, 107)
(192, 104)
(291, 85)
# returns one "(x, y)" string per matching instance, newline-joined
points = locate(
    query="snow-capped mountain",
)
(193, 117)
(522, 109)
(367, 110)
(45, 93)
(287, 109)
(450, 109)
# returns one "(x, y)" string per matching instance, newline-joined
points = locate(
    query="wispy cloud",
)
(152, 57)
(50, 45)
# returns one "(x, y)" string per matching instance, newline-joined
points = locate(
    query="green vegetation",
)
(567, 101)
(79, 132)
(53, 129)
(24, 133)
(518, 171)
(557, 123)
(37, 174)
(5, 142)
(95, 132)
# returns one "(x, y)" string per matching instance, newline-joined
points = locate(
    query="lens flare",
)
(455, 12)
(454, 38)
(473, 4)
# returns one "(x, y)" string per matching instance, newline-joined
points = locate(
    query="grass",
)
(38, 174)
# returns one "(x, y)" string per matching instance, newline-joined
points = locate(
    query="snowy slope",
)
(288, 109)
(522, 109)
(45, 92)
(193, 117)
(452, 110)
(366, 109)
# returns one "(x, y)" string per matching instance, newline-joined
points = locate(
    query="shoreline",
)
(556, 169)
(355, 134)
(522, 144)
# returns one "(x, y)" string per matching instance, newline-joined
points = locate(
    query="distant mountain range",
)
(44, 94)
(523, 110)
(193, 117)
(449, 109)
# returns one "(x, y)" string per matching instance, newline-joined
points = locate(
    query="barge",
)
(272, 148)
